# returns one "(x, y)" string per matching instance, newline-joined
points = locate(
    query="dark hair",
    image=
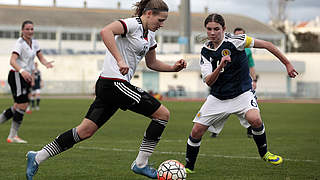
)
(156, 6)
(26, 22)
(214, 18)
(239, 29)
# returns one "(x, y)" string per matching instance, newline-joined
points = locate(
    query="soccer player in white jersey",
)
(20, 79)
(127, 42)
(224, 67)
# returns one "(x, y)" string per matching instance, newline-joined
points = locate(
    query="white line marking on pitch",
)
(182, 153)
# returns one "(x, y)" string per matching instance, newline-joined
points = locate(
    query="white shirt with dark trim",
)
(132, 46)
(26, 54)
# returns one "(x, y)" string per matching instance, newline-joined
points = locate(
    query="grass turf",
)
(293, 131)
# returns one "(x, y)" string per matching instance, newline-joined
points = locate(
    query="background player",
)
(243, 122)
(20, 78)
(224, 67)
(38, 84)
(127, 42)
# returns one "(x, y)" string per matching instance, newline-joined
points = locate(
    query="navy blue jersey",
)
(234, 79)
(37, 80)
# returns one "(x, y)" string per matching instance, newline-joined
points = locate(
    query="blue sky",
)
(297, 10)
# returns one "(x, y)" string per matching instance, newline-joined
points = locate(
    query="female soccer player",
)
(224, 68)
(20, 79)
(127, 42)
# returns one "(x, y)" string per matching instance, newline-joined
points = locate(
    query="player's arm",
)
(153, 63)
(108, 36)
(212, 77)
(276, 52)
(13, 62)
(43, 60)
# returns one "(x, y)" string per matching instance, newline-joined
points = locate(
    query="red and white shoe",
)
(16, 140)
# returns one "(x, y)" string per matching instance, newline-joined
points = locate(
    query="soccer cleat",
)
(146, 171)
(37, 108)
(272, 158)
(189, 171)
(32, 165)
(16, 140)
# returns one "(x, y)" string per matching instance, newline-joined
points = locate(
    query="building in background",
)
(70, 36)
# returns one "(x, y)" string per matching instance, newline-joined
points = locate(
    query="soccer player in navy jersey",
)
(20, 79)
(224, 67)
(253, 76)
(127, 41)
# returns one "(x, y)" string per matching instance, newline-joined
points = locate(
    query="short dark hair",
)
(239, 29)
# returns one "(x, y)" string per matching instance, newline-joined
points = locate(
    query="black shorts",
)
(114, 94)
(19, 87)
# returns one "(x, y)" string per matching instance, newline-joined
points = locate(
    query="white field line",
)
(182, 153)
(179, 153)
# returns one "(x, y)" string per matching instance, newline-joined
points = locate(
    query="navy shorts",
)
(114, 94)
(19, 87)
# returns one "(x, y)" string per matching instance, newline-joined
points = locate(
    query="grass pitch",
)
(293, 131)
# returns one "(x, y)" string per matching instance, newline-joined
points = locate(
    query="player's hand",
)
(26, 76)
(291, 71)
(49, 64)
(179, 65)
(123, 67)
(224, 61)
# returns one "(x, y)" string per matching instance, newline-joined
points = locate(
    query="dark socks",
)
(193, 147)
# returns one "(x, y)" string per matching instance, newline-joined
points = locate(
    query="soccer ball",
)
(171, 170)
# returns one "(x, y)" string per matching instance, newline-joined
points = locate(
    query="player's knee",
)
(86, 133)
(162, 113)
(256, 122)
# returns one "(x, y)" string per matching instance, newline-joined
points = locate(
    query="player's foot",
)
(272, 158)
(189, 171)
(249, 132)
(37, 108)
(213, 135)
(16, 140)
(32, 165)
(146, 171)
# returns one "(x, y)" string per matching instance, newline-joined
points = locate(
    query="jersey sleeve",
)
(205, 67)
(36, 46)
(129, 25)
(17, 48)
(241, 41)
(153, 42)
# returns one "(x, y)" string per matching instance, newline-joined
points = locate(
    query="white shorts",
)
(36, 91)
(214, 112)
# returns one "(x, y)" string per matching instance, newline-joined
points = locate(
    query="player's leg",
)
(20, 109)
(259, 136)
(20, 90)
(33, 94)
(7, 114)
(99, 112)
(37, 97)
(212, 113)
(149, 107)
(193, 145)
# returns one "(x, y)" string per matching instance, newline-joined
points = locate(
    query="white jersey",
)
(26, 53)
(132, 46)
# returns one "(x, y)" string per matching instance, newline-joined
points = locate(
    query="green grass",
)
(293, 131)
